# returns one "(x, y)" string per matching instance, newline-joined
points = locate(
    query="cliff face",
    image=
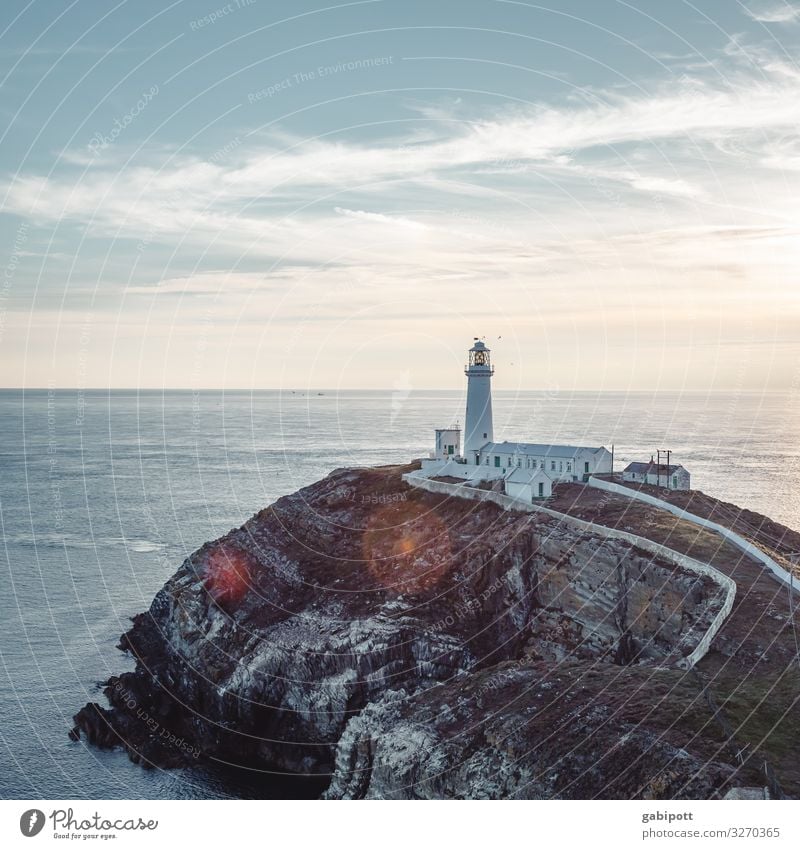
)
(418, 646)
(529, 730)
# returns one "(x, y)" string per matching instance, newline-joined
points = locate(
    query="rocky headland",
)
(407, 644)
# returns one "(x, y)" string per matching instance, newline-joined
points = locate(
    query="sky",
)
(269, 196)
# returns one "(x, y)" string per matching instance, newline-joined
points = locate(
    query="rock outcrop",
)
(413, 645)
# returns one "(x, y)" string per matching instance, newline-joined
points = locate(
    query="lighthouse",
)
(478, 421)
(528, 470)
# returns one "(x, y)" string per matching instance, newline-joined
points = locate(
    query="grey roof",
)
(651, 468)
(522, 475)
(537, 449)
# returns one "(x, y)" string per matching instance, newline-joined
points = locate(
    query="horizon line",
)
(324, 389)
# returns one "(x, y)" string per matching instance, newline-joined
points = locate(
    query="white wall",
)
(529, 491)
(521, 491)
(478, 416)
(599, 463)
(727, 585)
(665, 480)
(633, 477)
(731, 536)
(654, 479)
(453, 469)
(445, 438)
(559, 473)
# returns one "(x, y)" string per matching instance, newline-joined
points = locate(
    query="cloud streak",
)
(547, 216)
(775, 13)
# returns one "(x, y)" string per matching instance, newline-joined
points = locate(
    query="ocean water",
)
(103, 494)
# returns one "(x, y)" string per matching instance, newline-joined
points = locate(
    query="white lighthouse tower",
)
(478, 421)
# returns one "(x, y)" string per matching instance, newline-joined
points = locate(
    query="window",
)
(497, 460)
(569, 466)
(451, 449)
(510, 461)
(560, 466)
(674, 481)
(541, 489)
(487, 460)
(519, 462)
(586, 467)
(541, 464)
(552, 465)
(484, 436)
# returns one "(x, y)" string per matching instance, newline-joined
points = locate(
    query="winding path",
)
(727, 534)
(727, 584)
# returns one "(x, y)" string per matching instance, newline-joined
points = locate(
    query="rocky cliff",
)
(412, 645)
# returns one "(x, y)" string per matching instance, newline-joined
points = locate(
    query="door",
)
(541, 489)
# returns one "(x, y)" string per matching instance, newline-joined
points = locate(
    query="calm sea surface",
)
(103, 495)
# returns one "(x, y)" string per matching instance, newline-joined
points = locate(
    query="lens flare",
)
(227, 574)
(406, 547)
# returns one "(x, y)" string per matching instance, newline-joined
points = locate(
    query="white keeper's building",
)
(528, 469)
(559, 462)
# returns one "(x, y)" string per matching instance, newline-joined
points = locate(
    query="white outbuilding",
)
(448, 443)
(528, 484)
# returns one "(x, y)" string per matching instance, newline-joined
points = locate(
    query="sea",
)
(104, 493)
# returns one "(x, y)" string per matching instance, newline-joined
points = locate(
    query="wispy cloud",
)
(204, 283)
(198, 193)
(379, 218)
(548, 216)
(774, 13)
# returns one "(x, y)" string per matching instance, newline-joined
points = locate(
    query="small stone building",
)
(669, 477)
